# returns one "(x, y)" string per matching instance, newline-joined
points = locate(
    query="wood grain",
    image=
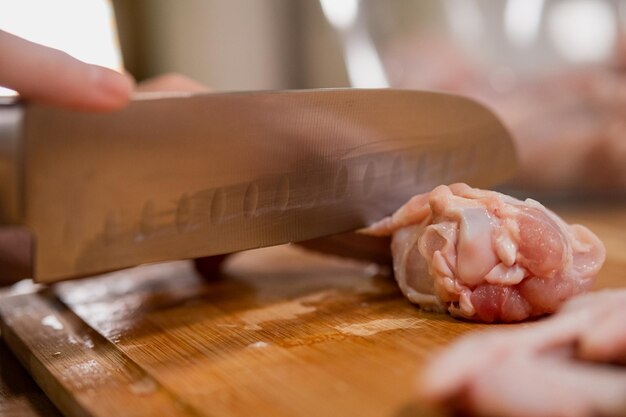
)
(80, 371)
(19, 395)
(282, 333)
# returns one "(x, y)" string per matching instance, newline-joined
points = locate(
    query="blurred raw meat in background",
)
(553, 70)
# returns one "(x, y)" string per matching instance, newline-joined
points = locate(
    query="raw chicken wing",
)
(488, 257)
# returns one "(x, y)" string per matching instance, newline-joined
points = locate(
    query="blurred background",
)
(267, 44)
(552, 69)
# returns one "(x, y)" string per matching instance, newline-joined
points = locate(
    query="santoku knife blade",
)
(172, 177)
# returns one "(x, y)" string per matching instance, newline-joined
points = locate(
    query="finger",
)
(171, 82)
(50, 76)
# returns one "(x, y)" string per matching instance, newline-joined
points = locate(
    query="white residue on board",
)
(88, 343)
(52, 322)
(258, 345)
(287, 310)
(144, 386)
(376, 326)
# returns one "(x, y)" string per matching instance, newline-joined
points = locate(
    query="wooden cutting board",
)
(283, 332)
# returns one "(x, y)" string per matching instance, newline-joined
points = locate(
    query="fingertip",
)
(171, 82)
(110, 90)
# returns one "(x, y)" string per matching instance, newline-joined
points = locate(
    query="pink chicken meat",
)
(488, 257)
(567, 365)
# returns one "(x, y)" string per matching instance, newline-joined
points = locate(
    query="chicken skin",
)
(488, 257)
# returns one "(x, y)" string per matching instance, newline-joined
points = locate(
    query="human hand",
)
(15, 243)
(47, 75)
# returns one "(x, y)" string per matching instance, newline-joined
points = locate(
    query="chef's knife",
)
(187, 176)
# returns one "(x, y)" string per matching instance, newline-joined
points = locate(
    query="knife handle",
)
(16, 246)
(15, 241)
(11, 126)
(354, 246)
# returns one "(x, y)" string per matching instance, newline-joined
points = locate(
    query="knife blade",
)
(186, 176)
